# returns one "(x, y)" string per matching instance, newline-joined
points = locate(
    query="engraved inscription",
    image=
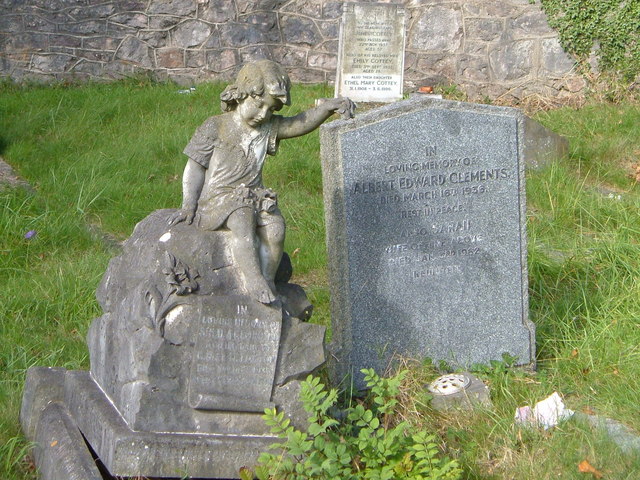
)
(236, 344)
(370, 57)
(427, 233)
(369, 52)
(440, 270)
(234, 358)
(423, 195)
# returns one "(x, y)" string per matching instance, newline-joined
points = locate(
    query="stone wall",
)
(488, 48)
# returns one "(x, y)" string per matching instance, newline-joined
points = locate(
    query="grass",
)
(101, 157)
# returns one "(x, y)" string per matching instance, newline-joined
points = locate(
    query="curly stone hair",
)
(254, 79)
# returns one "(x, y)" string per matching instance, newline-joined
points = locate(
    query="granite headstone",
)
(371, 52)
(425, 214)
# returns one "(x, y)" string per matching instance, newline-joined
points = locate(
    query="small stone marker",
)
(371, 52)
(459, 390)
(425, 214)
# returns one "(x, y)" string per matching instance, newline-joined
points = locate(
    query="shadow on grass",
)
(561, 297)
(4, 143)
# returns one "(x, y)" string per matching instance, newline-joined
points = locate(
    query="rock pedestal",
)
(183, 363)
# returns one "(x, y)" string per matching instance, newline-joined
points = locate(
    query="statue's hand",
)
(341, 105)
(346, 108)
(181, 215)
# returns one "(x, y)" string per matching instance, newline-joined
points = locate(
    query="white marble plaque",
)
(371, 54)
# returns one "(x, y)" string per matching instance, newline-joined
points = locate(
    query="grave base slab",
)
(81, 409)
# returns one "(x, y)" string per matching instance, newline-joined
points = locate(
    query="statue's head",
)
(255, 79)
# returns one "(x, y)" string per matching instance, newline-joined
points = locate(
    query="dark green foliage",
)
(611, 27)
(367, 443)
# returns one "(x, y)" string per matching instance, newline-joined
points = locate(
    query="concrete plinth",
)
(61, 406)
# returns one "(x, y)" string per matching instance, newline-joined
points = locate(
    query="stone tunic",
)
(233, 176)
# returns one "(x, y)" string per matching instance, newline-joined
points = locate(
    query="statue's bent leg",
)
(244, 247)
(271, 237)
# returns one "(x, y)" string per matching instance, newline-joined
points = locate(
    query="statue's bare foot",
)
(261, 292)
(267, 297)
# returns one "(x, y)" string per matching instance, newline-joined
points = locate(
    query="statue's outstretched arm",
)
(308, 121)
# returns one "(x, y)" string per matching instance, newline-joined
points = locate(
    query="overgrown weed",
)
(14, 455)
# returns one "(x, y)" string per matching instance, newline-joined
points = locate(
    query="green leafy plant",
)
(611, 27)
(364, 442)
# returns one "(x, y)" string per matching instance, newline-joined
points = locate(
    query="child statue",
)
(222, 181)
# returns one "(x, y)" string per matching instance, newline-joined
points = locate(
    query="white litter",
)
(547, 413)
